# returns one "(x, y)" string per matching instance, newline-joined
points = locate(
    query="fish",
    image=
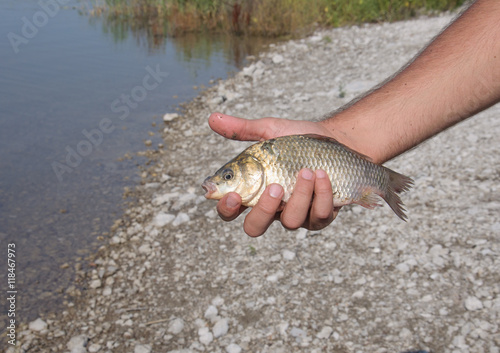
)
(354, 177)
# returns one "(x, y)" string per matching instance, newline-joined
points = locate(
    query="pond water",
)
(76, 95)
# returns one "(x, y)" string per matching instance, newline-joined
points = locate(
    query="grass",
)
(262, 17)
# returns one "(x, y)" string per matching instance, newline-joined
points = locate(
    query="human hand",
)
(311, 204)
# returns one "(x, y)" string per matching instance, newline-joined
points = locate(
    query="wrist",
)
(346, 128)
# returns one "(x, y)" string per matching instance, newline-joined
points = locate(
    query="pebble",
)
(170, 117)
(275, 277)
(96, 283)
(206, 336)
(473, 303)
(218, 301)
(403, 267)
(180, 219)
(301, 234)
(162, 219)
(277, 59)
(142, 348)
(220, 328)
(233, 348)
(144, 249)
(176, 326)
(94, 347)
(358, 294)
(211, 313)
(37, 325)
(325, 332)
(288, 255)
(77, 344)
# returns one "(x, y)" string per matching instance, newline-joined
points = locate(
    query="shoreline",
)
(175, 278)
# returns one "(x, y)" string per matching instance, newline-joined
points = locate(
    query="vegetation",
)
(262, 17)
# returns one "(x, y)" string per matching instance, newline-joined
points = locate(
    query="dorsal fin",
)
(332, 140)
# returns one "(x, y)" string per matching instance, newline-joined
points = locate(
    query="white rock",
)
(405, 333)
(248, 71)
(77, 344)
(288, 255)
(116, 240)
(37, 325)
(218, 301)
(358, 294)
(297, 332)
(220, 328)
(427, 298)
(473, 303)
(144, 249)
(275, 277)
(325, 332)
(107, 291)
(403, 267)
(277, 59)
(233, 348)
(437, 250)
(142, 348)
(275, 258)
(316, 38)
(342, 318)
(94, 347)
(151, 185)
(258, 73)
(176, 326)
(96, 283)
(211, 312)
(181, 218)
(301, 234)
(495, 227)
(161, 199)
(162, 219)
(170, 116)
(205, 335)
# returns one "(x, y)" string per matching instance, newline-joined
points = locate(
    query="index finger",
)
(229, 207)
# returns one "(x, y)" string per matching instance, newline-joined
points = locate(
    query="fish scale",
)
(347, 171)
(354, 178)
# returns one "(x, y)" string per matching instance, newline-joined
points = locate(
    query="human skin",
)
(456, 76)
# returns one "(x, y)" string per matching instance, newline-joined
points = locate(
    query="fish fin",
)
(332, 140)
(397, 183)
(369, 200)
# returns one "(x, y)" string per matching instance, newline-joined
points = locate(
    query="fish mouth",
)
(209, 187)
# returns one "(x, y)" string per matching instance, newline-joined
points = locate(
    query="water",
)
(76, 95)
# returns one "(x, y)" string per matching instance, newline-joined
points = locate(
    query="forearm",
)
(456, 76)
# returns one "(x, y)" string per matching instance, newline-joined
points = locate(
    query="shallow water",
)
(76, 95)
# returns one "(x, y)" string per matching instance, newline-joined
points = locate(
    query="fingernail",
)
(231, 201)
(321, 174)
(307, 174)
(275, 191)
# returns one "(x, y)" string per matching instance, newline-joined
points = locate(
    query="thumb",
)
(241, 129)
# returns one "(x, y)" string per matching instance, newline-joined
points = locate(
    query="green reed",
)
(264, 17)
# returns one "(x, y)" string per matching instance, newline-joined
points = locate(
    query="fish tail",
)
(397, 183)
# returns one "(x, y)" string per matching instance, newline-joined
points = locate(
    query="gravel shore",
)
(175, 278)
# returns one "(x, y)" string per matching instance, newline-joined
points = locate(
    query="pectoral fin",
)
(369, 200)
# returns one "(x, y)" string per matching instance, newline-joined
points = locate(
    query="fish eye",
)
(227, 174)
